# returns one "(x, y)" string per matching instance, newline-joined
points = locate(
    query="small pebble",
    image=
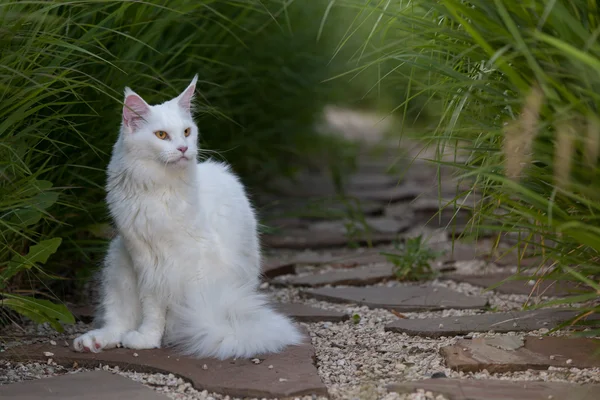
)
(135, 354)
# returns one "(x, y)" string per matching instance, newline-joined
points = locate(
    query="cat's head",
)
(164, 133)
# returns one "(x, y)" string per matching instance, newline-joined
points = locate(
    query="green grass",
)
(412, 260)
(263, 70)
(518, 85)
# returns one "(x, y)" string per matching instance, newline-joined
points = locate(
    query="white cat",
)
(184, 269)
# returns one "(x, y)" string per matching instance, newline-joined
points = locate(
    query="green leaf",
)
(31, 213)
(26, 217)
(39, 310)
(44, 200)
(38, 253)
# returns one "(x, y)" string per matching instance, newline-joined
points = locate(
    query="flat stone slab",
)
(299, 312)
(92, 385)
(388, 195)
(344, 258)
(290, 373)
(365, 181)
(339, 258)
(306, 185)
(318, 239)
(517, 321)
(492, 389)
(529, 286)
(303, 313)
(314, 185)
(301, 211)
(401, 298)
(275, 266)
(350, 276)
(499, 354)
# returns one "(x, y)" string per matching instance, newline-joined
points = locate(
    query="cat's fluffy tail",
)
(230, 322)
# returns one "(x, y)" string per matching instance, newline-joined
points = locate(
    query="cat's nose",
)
(182, 149)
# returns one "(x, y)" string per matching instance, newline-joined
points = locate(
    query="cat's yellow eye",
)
(162, 135)
(187, 132)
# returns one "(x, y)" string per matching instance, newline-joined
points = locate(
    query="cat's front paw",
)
(96, 340)
(140, 340)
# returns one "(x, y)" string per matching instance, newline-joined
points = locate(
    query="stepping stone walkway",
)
(93, 385)
(510, 353)
(287, 374)
(499, 390)
(401, 298)
(311, 232)
(517, 321)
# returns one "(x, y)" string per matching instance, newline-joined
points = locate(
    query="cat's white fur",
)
(184, 269)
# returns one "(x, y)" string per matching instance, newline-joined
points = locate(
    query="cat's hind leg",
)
(120, 307)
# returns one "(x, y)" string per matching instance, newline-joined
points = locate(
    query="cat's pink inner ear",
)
(185, 99)
(134, 111)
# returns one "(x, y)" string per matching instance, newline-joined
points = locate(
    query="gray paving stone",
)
(300, 312)
(387, 225)
(92, 385)
(350, 276)
(401, 298)
(303, 313)
(308, 185)
(388, 195)
(278, 210)
(339, 258)
(369, 181)
(301, 239)
(536, 353)
(516, 321)
(522, 286)
(491, 389)
(290, 373)
(275, 266)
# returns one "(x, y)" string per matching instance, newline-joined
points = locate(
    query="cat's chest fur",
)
(159, 224)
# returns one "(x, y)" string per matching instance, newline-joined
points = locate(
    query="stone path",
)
(289, 373)
(96, 385)
(371, 336)
(500, 322)
(499, 390)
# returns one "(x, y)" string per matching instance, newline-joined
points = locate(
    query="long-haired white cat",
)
(185, 266)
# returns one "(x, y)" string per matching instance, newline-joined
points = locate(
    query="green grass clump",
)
(412, 260)
(63, 68)
(518, 84)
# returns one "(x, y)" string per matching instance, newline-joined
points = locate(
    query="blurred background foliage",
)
(514, 83)
(515, 86)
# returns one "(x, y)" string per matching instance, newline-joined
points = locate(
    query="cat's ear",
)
(135, 109)
(185, 98)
